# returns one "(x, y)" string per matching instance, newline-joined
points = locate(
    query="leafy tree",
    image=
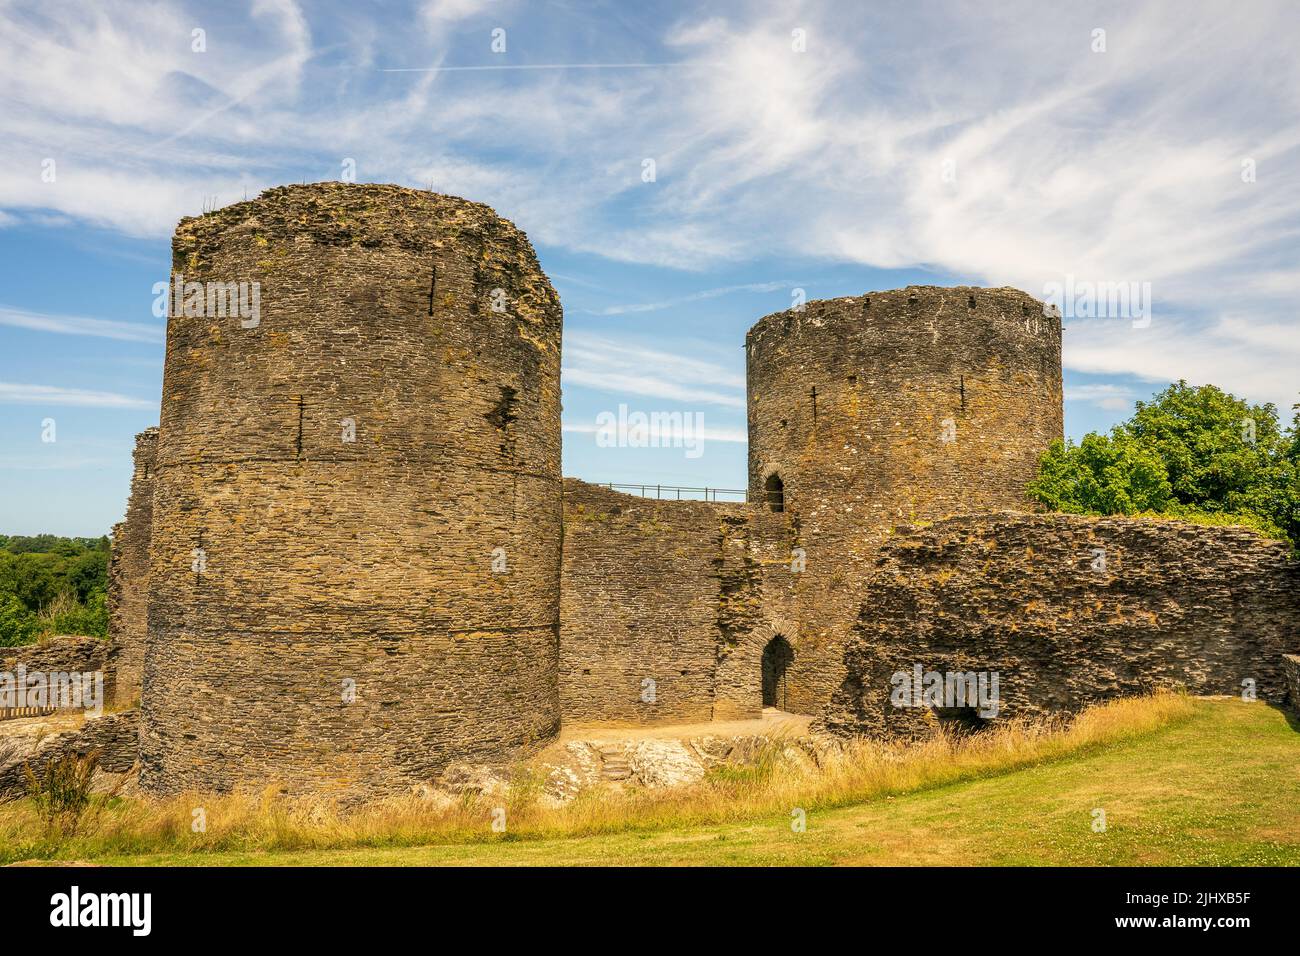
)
(52, 585)
(17, 624)
(1220, 452)
(1192, 451)
(1104, 474)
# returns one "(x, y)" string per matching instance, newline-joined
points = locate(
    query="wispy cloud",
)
(13, 393)
(993, 145)
(674, 432)
(77, 325)
(629, 367)
(1104, 395)
(1247, 356)
(693, 297)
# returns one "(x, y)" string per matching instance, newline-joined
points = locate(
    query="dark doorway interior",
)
(774, 488)
(777, 657)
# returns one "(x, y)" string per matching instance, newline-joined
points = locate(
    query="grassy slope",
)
(1220, 788)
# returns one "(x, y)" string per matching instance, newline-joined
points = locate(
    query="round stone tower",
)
(355, 550)
(882, 409)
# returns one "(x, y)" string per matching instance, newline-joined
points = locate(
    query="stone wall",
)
(113, 737)
(1069, 610)
(128, 578)
(1291, 676)
(639, 604)
(67, 655)
(684, 594)
(334, 481)
(885, 408)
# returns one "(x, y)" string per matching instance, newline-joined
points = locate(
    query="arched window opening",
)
(777, 658)
(774, 488)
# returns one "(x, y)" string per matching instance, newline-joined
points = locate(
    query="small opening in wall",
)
(961, 720)
(853, 380)
(586, 671)
(970, 303)
(777, 657)
(774, 490)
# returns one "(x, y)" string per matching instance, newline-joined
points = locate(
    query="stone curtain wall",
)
(1069, 610)
(850, 402)
(682, 593)
(639, 602)
(347, 631)
(128, 578)
(58, 654)
(1291, 676)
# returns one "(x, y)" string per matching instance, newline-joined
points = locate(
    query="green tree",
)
(1220, 452)
(1192, 451)
(17, 624)
(1103, 474)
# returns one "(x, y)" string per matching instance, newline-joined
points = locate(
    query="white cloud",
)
(1104, 395)
(1252, 358)
(1125, 165)
(693, 297)
(76, 325)
(627, 367)
(17, 394)
(450, 11)
(668, 434)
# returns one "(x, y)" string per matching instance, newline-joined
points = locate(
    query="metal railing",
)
(9, 713)
(676, 492)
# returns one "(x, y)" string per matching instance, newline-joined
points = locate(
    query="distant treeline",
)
(52, 585)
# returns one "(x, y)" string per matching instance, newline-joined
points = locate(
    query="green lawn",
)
(1219, 788)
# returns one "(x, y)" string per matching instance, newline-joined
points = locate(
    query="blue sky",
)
(904, 143)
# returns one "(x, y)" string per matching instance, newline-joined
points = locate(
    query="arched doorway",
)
(777, 657)
(774, 491)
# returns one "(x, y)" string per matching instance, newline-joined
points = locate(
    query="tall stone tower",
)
(355, 553)
(883, 409)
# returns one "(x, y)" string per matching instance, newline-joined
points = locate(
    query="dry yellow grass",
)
(862, 771)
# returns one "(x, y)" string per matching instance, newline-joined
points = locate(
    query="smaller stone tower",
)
(887, 408)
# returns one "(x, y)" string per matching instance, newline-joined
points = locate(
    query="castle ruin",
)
(349, 558)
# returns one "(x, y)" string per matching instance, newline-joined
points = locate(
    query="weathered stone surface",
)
(37, 741)
(128, 579)
(639, 632)
(664, 763)
(850, 401)
(684, 594)
(1069, 610)
(335, 566)
(323, 612)
(1291, 677)
(67, 654)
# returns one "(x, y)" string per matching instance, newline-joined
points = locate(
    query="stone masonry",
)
(355, 550)
(128, 577)
(887, 408)
(363, 567)
(1069, 610)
